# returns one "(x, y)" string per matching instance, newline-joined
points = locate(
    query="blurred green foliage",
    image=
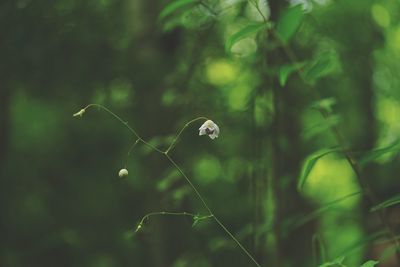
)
(297, 88)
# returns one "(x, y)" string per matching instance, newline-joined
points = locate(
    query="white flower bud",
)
(122, 173)
(209, 128)
(79, 113)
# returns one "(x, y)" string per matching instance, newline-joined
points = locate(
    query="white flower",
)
(123, 173)
(209, 128)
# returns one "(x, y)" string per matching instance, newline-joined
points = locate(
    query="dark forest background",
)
(304, 172)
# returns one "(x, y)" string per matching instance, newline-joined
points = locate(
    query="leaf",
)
(309, 164)
(169, 180)
(289, 22)
(243, 33)
(286, 70)
(325, 104)
(303, 219)
(338, 261)
(321, 127)
(318, 249)
(323, 65)
(387, 203)
(372, 155)
(370, 263)
(173, 6)
(356, 246)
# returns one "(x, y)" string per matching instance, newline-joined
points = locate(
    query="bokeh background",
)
(61, 200)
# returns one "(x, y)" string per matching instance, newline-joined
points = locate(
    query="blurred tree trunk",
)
(4, 122)
(285, 156)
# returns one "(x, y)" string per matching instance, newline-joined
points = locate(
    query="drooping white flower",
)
(122, 173)
(209, 128)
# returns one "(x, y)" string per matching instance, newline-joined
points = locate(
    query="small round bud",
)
(123, 173)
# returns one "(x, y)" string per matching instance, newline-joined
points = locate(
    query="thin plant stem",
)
(173, 143)
(165, 153)
(195, 217)
(130, 150)
(210, 211)
(126, 125)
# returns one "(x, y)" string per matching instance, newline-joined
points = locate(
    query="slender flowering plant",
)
(207, 128)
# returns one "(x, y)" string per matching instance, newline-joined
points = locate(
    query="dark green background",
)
(61, 200)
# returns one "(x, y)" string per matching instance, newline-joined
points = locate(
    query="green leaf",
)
(387, 203)
(319, 252)
(309, 164)
(325, 104)
(303, 219)
(363, 242)
(323, 65)
(336, 262)
(289, 22)
(372, 155)
(173, 6)
(321, 127)
(370, 263)
(243, 33)
(286, 70)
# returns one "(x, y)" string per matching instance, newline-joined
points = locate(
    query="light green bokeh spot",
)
(381, 15)
(221, 72)
(330, 179)
(207, 169)
(238, 97)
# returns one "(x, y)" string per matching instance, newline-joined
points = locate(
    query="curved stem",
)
(181, 131)
(126, 125)
(165, 153)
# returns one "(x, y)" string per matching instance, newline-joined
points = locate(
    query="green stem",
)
(165, 153)
(130, 150)
(126, 125)
(181, 131)
(210, 211)
(194, 216)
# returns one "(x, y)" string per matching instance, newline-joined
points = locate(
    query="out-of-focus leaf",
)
(197, 17)
(175, 5)
(370, 156)
(387, 203)
(289, 22)
(388, 252)
(323, 65)
(319, 252)
(370, 263)
(243, 33)
(309, 163)
(336, 262)
(286, 70)
(168, 181)
(321, 127)
(325, 104)
(299, 221)
(363, 242)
